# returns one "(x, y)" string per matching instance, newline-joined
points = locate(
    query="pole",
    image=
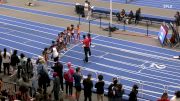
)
(89, 26)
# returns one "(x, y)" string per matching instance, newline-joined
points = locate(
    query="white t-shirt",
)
(7, 58)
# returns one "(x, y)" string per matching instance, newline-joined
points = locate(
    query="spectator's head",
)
(164, 96)
(115, 81)
(177, 94)
(55, 74)
(5, 50)
(89, 76)
(22, 55)
(78, 69)
(135, 87)
(29, 59)
(69, 64)
(84, 36)
(100, 77)
(15, 52)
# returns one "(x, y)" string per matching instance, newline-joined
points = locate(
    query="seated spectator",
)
(176, 97)
(138, 16)
(133, 93)
(121, 15)
(100, 88)
(164, 97)
(115, 91)
(130, 17)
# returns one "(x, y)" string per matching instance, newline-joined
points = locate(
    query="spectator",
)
(137, 16)
(177, 21)
(1, 84)
(70, 75)
(43, 80)
(176, 97)
(58, 68)
(56, 86)
(88, 85)
(22, 70)
(14, 60)
(130, 17)
(0, 62)
(77, 78)
(133, 93)
(115, 91)
(164, 97)
(100, 88)
(122, 15)
(29, 67)
(6, 59)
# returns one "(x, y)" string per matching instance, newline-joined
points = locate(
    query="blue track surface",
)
(131, 62)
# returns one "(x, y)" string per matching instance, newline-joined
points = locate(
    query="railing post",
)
(109, 30)
(100, 20)
(147, 25)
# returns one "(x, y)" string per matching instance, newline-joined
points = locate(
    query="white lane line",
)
(138, 53)
(141, 60)
(21, 43)
(171, 73)
(119, 44)
(26, 33)
(28, 40)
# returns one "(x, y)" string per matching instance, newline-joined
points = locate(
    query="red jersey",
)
(86, 42)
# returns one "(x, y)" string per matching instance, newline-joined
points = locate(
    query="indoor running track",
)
(152, 68)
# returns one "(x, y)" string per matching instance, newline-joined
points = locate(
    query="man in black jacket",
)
(14, 60)
(58, 68)
(88, 85)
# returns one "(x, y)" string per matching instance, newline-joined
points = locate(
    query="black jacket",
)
(100, 87)
(14, 60)
(88, 85)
